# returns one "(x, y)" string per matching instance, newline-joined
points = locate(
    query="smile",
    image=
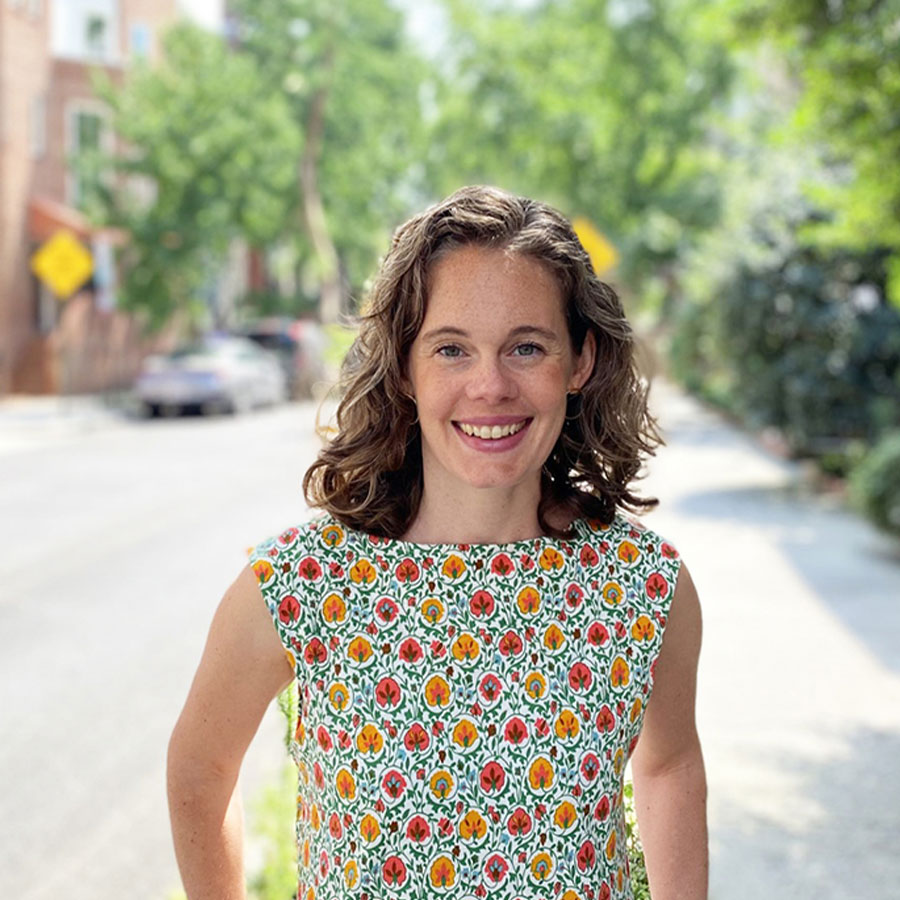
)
(492, 432)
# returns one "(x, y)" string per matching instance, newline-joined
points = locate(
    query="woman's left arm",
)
(667, 764)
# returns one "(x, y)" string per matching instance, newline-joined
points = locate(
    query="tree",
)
(601, 108)
(207, 159)
(352, 84)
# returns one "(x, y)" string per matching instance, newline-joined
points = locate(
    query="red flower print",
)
(657, 586)
(496, 868)
(418, 830)
(407, 570)
(580, 677)
(336, 569)
(482, 603)
(324, 738)
(437, 649)
(598, 634)
(519, 822)
(411, 651)
(319, 776)
(289, 610)
(288, 536)
(309, 568)
(574, 595)
(510, 644)
(445, 826)
(586, 856)
(515, 731)
(588, 556)
(601, 811)
(541, 727)
(620, 629)
(606, 720)
(344, 739)
(416, 738)
(394, 871)
(501, 564)
(668, 551)
(393, 784)
(527, 562)
(379, 805)
(490, 688)
(386, 610)
(492, 777)
(334, 826)
(315, 652)
(387, 692)
(590, 767)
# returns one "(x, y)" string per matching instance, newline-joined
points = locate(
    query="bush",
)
(875, 484)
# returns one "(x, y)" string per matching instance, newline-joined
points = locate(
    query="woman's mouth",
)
(491, 432)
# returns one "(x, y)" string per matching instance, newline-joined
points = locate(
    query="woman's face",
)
(490, 369)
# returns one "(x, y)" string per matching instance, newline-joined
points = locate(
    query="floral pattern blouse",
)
(466, 711)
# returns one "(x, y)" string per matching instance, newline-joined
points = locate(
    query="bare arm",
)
(667, 766)
(243, 667)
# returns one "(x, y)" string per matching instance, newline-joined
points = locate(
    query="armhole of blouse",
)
(274, 591)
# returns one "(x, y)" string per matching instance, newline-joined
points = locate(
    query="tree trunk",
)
(313, 208)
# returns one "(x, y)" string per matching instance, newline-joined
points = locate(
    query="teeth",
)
(491, 432)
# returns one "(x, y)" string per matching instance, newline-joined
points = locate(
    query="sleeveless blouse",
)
(465, 712)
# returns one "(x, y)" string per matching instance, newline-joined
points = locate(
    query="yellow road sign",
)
(602, 253)
(63, 263)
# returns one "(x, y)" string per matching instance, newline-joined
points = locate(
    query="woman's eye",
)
(449, 351)
(527, 350)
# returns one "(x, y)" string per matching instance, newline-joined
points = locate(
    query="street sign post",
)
(62, 263)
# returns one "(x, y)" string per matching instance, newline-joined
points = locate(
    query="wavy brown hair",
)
(369, 474)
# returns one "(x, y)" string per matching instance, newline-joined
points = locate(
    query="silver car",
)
(218, 373)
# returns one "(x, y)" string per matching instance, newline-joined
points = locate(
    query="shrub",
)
(875, 484)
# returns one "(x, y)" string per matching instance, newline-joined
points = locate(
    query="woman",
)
(474, 626)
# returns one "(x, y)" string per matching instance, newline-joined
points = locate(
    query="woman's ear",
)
(584, 363)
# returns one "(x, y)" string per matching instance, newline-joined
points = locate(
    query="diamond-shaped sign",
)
(602, 253)
(63, 263)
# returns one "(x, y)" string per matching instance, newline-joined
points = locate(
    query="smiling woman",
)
(475, 628)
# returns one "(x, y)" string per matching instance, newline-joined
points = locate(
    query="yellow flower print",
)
(628, 552)
(613, 593)
(619, 761)
(304, 854)
(465, 647)
(437, 692)
(263, 570)
(441, 784)
(567, 726)
(315, 817)
(339, 696)
(619, 674)
(551, 559)
(636, 708)
(291, 659)
(346, 784)
(453, 567)
(369, 740)
(362, 572)
(465, 733)
(442, 872)
(554, 638)
(541, 866)
(643, 629)
(433, 610)
(535, 685)
(571, 895)
(611, 845)
(360, 650)
(565, 816)
(528, 600)
(472, 826)
(334, 609)
(332, 536)
(369, 829)
(351, 873)
(540, 774)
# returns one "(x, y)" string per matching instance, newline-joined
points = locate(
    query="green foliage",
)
(273, 827)
(600, 108)
(210, 159)
(875, 484)
(639, 883)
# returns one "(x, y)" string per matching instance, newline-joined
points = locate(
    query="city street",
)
(118, 540)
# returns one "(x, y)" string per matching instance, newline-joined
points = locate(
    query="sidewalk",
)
(799, 693)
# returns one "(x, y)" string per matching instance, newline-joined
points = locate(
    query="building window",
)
(89, 141)
(96, 34)
(140, 40)
(38, 126)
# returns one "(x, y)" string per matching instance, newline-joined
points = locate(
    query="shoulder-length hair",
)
(369, 474)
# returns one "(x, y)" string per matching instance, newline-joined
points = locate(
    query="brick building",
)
(49, 111)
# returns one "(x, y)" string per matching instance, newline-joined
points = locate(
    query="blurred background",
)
(192, 198)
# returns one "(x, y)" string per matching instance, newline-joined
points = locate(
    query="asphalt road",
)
(118, 538)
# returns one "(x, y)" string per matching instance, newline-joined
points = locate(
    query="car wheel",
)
(150, 410)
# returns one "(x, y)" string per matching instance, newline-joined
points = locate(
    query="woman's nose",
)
(490, 381)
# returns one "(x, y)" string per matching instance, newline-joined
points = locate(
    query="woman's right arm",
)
(243, 668)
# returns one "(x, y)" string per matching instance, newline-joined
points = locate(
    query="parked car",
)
(299, 345)
(218, 373)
